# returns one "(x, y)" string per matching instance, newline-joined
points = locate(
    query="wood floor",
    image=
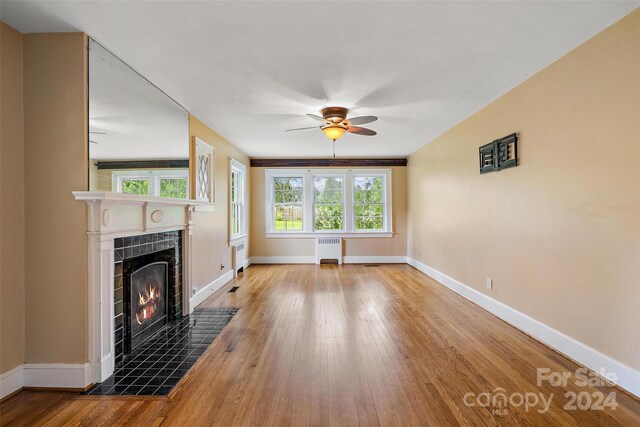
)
(351, 345)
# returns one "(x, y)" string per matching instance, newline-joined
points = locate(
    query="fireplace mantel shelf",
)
(120, 214)
(135, 199)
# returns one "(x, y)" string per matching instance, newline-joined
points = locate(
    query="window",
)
(161, 183)
(368, 202)
(288, 198)
(328, 202)
(237, 197)
(340, 202)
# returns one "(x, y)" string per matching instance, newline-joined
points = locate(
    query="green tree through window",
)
(173, 187)
(328, 203)
(135, 186)
(287, 196)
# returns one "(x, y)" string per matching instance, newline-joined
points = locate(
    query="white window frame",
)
(237, 167)
(308, 201)
(153, 176)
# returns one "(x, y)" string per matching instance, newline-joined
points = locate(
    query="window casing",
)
(237, 200)
(336, 202)
(160, 183)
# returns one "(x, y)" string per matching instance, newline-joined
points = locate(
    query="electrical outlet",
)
(222, 266)
(489, 283)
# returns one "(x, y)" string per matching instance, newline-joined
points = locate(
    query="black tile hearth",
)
(157, 365)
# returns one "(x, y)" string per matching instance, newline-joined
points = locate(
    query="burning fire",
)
(147, 303)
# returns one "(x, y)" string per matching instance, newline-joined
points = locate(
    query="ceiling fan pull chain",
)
(334, 148)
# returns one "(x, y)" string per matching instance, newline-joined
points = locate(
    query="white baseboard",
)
(208, 290)
(283, 260)
(46, 375)
(11, 381)
(627, 377)
(57, 375)
(374, 259)
(106, 367)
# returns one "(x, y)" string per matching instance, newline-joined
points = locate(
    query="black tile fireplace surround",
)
(130, 254)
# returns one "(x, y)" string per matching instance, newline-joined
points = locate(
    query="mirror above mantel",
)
(138, 135)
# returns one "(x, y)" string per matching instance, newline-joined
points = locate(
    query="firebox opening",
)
(149, 296)
(148, 300)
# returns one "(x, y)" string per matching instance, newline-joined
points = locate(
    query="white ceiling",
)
(252, 69)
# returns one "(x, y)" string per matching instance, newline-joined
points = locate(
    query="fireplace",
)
(148, 288)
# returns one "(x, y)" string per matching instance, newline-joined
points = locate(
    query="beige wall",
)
(211, 237)
(12, 201)
(394, 246)
(55, 132)
(560, 233)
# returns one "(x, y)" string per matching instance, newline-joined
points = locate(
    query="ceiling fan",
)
(336, 123)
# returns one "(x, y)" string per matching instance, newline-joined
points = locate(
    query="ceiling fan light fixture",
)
(334, 131)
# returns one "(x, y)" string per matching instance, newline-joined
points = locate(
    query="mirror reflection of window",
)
(138, 135)
(173, 187)
(159, 183)
(135, 186)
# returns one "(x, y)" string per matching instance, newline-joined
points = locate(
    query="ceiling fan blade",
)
(314, 117)
(362, 120)
(361, 131)
(312, 127)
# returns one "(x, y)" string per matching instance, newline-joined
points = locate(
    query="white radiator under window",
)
(329, 248)
(238, 257)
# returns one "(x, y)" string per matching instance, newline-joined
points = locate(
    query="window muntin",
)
(288, 208)
(328, 202)
(368, 203)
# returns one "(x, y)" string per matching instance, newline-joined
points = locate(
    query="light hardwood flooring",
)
(338, 346)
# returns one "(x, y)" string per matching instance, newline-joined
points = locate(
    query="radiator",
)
(329, 248)
(238, 257)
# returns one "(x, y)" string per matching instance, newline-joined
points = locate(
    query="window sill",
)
(237, 239)
(318, 234)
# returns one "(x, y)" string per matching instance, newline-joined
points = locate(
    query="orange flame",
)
(148, 303)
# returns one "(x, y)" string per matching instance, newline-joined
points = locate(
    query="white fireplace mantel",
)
(113, 215)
